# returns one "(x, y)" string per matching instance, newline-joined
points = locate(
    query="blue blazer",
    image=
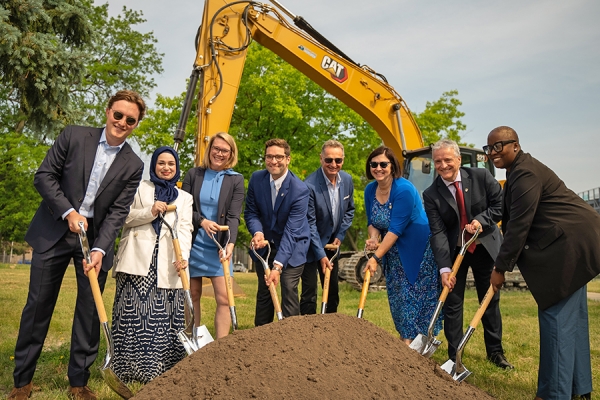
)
(286, 225)
(320, 216)
(408, 221)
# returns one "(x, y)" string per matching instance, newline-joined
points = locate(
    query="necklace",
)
(383, 192)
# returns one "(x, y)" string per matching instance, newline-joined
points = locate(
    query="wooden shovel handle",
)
(325, 295)
(265, 242)
(482, 307)
(331, 246)
(171, 207)
(455, 269)
(182, 274)
(273, 291)
(93, 277)
(228, 283)
(365, 290)
(223, 228)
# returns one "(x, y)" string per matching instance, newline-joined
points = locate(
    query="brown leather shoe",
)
(22, 393)
(81, 393)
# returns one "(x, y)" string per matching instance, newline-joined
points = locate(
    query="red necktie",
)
(460, 201)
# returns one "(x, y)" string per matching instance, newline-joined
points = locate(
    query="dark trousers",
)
(481, 264)
(308, 296)
(47, 272)
(290, 305)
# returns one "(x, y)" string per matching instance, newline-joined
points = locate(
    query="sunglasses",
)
(497, 147)
(330, 160)
(117, 115)
(382, 164)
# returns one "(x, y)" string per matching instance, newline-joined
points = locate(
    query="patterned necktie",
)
(460, 202)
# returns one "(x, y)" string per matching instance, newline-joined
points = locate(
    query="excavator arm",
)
(223, 39)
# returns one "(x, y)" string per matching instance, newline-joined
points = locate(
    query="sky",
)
(531, 65)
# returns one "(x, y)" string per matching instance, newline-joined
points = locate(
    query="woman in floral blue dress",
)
(396, 217)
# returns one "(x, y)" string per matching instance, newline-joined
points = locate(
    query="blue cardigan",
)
(408, 222)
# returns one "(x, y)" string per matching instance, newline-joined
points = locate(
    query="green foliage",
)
(61, 60)
(441, 119)
(19, 159)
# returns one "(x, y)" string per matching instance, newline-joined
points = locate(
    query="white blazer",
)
(137, 240)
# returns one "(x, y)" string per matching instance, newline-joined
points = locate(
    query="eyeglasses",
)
(117, 115)
(330, 160)
(497, 147)
(276, 157)
(218, 150)
(382, 164)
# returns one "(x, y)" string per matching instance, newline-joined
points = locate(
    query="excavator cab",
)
(419, 169)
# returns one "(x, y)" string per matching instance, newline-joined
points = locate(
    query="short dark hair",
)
(279, 143)
(386, 151)
(132, 97)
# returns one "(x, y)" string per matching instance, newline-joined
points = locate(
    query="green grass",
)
(520, 335)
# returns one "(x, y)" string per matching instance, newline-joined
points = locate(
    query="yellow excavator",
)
(227, 29)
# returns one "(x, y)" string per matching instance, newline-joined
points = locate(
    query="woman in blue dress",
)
(218, 194)
(396, 216)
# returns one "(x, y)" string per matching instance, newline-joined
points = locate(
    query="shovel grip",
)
(330, 246)
(273, 291)
(365, 290)
(223, 228)
(171, 207)
(482, 307)
(93, 277)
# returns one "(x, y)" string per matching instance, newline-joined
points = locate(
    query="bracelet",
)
(377, 258)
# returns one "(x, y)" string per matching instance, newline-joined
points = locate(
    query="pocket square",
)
(346, 197)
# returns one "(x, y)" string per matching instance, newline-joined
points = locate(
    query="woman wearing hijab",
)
(148, 308)
(218, 193)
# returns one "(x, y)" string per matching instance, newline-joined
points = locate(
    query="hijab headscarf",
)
(163, 190)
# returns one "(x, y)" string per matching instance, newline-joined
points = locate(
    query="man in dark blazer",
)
(553, 236)
(329, 186)
(276, 208)
(89, 175)
(483, 206)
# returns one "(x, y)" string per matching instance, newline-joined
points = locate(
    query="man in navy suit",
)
(88, 175)
(276, 208)
(330, 214)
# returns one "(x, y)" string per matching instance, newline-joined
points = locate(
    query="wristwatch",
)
(277, 268)
(377, 258)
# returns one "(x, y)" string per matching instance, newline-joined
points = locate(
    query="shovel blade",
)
(425, 345)
(459, 373)
(113, 381)
(199, 339)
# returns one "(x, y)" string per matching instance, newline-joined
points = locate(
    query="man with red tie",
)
(465, 198)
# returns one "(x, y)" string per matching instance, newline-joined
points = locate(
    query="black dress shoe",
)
(587, 396)
(500, 361)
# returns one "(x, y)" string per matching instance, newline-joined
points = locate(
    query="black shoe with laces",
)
(500, 361)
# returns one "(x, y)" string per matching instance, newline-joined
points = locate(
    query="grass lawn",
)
(520, 335)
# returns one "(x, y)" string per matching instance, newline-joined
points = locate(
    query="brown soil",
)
(331, 356)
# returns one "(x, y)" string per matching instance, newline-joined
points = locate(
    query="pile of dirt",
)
(329, 356)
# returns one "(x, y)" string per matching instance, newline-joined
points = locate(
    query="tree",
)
(20, 157)
(61, 60)
(442, 119)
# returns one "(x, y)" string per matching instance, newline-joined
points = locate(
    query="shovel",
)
(365, 288)
(227, 276)
(272, 288)
(328, 276)
(457, 369)
(427, 345)
(111, 379)
(200, 336)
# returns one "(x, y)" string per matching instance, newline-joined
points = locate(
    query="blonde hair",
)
(233, 154)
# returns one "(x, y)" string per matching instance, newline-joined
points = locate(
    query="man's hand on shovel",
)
(96, 257)
(273, 277)
(497, 279)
